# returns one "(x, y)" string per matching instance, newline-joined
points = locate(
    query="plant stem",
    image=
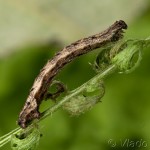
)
(75, 92)
(6, 138)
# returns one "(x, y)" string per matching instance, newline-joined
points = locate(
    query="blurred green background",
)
(32, 31)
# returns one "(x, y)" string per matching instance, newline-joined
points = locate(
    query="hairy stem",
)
(6, 138)
(75, 92)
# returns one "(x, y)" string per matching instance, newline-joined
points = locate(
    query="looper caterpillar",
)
(41, 84)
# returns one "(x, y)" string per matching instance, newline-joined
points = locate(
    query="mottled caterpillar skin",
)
(41, 84)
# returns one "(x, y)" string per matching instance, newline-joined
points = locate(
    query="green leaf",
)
(26, 140)
(129, 58)
(86, 99)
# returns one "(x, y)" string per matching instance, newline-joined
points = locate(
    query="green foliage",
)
(26, 140)
(126, 60)
(86, 99)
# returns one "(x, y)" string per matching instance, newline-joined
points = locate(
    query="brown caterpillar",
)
(41, 84)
